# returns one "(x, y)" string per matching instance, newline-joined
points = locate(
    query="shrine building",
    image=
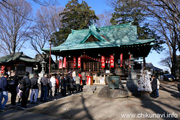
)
(110, 49)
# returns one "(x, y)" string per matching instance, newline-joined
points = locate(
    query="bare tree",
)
(164, 17)
(46, 2)
(104, 19)
(166, 62)
(13, 26)
(47, 23)
(166, 21)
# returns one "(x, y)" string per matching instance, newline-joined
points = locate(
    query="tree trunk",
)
(174, 63)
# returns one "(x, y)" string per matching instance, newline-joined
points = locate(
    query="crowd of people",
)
(49, 85)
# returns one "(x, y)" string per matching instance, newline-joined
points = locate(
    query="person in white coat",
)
(53, 85)
(74, 75)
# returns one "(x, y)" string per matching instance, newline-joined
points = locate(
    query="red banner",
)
(64, 62)
(74, 62)
(102, 62)
(121, 60)
(60, 64)
(2, 67)
(129, 60)
(111, 61)
(79, 62)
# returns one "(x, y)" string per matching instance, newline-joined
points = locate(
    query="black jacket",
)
(3, 84)
(34, 83)
(71, 83)
(25, 83)
(16, 82)
(44, 81)
(154, 84)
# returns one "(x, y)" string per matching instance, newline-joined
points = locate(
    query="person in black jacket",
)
(154, 86)
(14, 89)
(25, 87)
(34, 89)
(63, 85)
(71, 85)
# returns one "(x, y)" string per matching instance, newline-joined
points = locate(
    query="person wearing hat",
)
(34, 89)
(3, 91)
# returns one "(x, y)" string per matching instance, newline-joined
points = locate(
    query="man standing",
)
(154, 86)
(44, 88)
(14, 89)
(77, 80)
(25, 87)
(74, 74)
(3, 91)
(53, 87)
(59, 80)
(34, 89)
(63, 85)
(83, 74)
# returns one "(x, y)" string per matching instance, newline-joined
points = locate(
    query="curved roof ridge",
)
(116, 26)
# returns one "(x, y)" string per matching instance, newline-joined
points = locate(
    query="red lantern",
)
(102, 61)
(2, 67)
(2, 71)
(121, 60)
(79, 62)
(74, 62)
(64, 62)
(60, 64)
(111, 61)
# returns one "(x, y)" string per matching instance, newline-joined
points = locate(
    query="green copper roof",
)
(17, 56)
(110, 36)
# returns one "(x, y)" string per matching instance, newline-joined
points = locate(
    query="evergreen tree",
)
(126, 11)
(75, 16)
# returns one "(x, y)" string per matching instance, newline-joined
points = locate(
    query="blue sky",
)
(100, 6)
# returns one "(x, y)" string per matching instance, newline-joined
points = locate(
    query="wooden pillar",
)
(98, 66)
(89, 66)
(56, 59)
(144, 63)
(84, 66)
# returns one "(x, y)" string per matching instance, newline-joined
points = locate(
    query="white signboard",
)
(144, 82)
(102, 78)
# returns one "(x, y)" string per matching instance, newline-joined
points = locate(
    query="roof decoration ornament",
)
(131, 22)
